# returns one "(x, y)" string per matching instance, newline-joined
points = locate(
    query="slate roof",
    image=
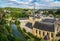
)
(29, 25)
(43, 26)
(49, 20)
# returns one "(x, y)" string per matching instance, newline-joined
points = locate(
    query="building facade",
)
(44, 27)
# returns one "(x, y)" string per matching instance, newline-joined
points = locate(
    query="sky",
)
(39, 4)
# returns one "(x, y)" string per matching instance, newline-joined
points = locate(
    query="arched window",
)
(47, 33)
(36, 31)
(43, 33)
(51, 34)
(39, 32)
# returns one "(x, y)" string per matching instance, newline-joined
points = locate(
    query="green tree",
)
(2, 21)
(17, 22)
(42, 40)
(59, 40)
(18, 39)
(3, 37)
(9, 29)
(58, 34)
(32, 39)
(24, 30)
(11, 37)
(52, 40)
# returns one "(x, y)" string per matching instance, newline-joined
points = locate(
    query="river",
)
(17, 33)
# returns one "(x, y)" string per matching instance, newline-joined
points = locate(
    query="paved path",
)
(17, 33)
(57, 38)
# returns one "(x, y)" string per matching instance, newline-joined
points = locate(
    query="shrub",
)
(17, 22)
(52, 40)
(58, 34)
(18, 39)
(24, 30)
(32, 39)
(42, 40)
(59, 40)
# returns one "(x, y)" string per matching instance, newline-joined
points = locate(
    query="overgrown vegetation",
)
(58, 34)
(6, 32)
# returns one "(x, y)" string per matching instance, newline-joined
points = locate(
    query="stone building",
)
(26, 24)
(44, 27)
(41, 26)
(58, 25)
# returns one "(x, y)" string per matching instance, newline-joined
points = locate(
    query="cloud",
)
(47, 0)
(27, 3)
(13, 0)
(30, 0)
(55, 4)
